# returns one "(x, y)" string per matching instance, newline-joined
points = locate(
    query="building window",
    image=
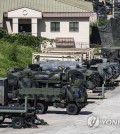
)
(73, 26)
(55, 26)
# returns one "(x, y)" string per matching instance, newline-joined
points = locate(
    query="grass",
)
(14, 55)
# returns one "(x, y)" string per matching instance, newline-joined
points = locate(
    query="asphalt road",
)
(98, 117)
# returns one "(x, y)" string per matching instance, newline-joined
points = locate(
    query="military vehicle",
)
(98, 73)
(20, 116)
(93, 79)
(107, 71)
(61, 66)
(111, 53)
(63, 89)
(58, 83)
(51, 70)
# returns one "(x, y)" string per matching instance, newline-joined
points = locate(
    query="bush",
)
(10, 38)
(24, 39)
(27, 40)
(3, 33)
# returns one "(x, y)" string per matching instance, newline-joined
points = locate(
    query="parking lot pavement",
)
(98, 117)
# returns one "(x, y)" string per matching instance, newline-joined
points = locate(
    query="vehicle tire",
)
(2, 119)
(17, 122)
(41, 108)
(72, 109)
(76, 75)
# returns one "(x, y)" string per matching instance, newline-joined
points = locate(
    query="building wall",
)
(81, 38)
(24, 13)
(24, 21)
(5, 20)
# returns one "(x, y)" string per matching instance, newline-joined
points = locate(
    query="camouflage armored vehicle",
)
(105, 71)
(59, 89)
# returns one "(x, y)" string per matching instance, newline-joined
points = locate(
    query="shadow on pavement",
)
(56, 112)
(85, 112)
(64, 112)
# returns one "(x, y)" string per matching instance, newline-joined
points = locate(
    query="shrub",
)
(27, 40)
(3, 33)
(10, 38)
(24, 39)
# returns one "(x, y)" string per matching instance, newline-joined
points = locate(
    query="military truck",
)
(20, 116)
(59, 89)
(71, 97)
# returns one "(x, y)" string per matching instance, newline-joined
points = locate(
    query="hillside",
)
(13, 55)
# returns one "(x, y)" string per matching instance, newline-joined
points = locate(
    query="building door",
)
(25, 26)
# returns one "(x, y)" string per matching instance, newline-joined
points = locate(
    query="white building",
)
(68, 21)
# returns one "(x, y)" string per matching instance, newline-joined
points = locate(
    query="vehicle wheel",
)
(72, 109)
(2, 118)
(41, 108)
(17, 122)
(76, 75)
(29, 120)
